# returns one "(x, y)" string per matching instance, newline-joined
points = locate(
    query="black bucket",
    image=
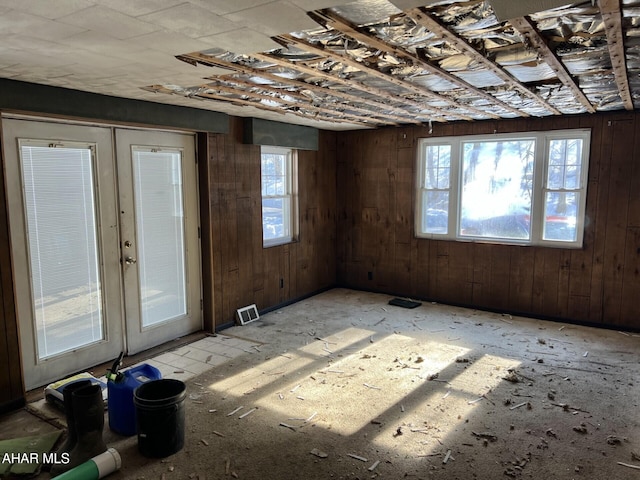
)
(160, 417)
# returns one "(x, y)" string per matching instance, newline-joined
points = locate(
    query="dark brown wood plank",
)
(629, 305)
(401, 279)
(616, 219)
(245, 236)
(599, 192)
(481, 276)
(216, 157)
(563, 283)
(206, 228)
(551, 278)
(539, 280)
(404, 196)
(499, 286)
(425, 270)
(521, 278)
(633, 215)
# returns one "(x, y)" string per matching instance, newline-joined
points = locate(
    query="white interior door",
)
(104, 242)
(61, 193)
(159, 236)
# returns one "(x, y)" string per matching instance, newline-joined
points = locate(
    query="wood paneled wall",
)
(377, 249)
(356, 197)
(11, 386)
(243, 272)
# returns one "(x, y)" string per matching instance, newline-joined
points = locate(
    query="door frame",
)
(115, 332)
(38, 371)
(137, 337)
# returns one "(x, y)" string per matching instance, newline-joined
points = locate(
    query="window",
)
(513, 188)
(278, 199)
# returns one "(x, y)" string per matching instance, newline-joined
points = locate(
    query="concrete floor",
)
(432, 392)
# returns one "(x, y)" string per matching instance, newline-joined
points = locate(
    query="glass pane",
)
(275, 214)
(436, 212)
(496, 189)
(560, 216)
(565, 157)
(274, 174)
(157, 178)
(63, 247)
(437, 167)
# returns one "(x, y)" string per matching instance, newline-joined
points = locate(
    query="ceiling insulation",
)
(370, 64)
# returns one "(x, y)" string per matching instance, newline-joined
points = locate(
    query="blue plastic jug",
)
(122, 413)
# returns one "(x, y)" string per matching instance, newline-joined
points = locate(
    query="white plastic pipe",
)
(98, 467)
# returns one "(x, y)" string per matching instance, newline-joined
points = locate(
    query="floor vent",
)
(247, 314)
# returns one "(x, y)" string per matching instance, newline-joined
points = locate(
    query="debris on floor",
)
(416, 402)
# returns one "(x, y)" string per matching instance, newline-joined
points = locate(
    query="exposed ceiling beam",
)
(610, 10)
(350, 83)
(287, 40)
(430, 22)
(374, 107)
(533, 38)
(235, 101)
(377, 117)
(214, 96)
(333, 20)
(302, 102)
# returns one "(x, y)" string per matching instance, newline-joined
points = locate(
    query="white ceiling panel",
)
(222, 7)
(23, 24)
(190, 20)
(135, 8)
(16, 22)
(105, 20)
(37, 49)
(308, 5)
(103, 44)
(48, 9)
(274, 18)
(243, 40)
(172, 43)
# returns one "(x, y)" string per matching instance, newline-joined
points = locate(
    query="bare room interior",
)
(373, 239)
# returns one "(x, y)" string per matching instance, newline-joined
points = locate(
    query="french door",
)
(159, 236)
(104, 242)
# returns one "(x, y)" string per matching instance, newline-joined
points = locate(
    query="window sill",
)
(276, 242)
(496, 241)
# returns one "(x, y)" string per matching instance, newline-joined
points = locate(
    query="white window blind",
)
(157, 177)
(59, 195)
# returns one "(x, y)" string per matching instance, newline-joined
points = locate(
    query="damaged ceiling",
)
(370, 64)
(332, 64)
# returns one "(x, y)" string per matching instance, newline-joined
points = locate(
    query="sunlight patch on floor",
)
(336, 343)
(382, 374)
(445, 411)
(261, 375)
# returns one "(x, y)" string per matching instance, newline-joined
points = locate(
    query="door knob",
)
(130, 260)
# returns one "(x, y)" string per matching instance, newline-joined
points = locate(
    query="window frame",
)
(541, 165)
(290, 220)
